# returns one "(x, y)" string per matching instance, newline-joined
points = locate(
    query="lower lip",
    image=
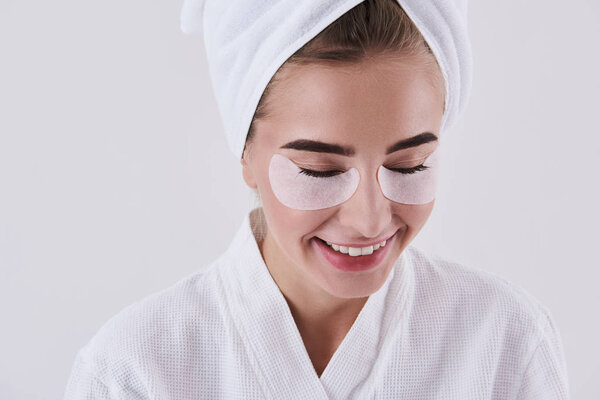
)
(350, 263)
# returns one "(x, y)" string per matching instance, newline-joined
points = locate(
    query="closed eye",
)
(319, 174)
(326, 174)
(410, 170)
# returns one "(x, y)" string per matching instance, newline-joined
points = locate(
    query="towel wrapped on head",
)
(247, 41)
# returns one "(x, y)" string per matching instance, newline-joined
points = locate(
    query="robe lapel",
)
(266, 325)
(353, 370)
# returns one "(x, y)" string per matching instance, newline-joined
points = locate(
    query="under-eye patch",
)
(303, 192)
(413, 188)
(298, 190)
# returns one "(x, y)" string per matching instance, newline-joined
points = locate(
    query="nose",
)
(368, 212)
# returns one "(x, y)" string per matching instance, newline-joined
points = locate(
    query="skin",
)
(369, 106)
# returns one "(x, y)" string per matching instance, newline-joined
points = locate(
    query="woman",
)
(320, 294)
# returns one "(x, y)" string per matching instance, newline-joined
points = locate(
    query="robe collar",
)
(271, 338)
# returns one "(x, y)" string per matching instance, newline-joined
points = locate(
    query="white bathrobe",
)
(434, 330)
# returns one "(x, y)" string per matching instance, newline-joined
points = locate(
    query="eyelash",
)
(326, 174)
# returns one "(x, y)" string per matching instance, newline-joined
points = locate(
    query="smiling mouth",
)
(355, 250)
(381, 242)
(354, 259)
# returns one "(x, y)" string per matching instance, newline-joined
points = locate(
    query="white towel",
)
(248, 40)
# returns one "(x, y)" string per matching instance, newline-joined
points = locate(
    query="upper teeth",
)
(356, 251)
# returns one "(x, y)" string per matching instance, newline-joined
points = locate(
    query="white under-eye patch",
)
(303, 192)
(416, 188)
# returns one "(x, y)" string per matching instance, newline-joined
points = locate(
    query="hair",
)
(373, 28)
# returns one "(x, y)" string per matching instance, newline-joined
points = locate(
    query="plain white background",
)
(116, 181)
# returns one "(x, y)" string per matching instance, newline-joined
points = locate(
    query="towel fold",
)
(247, 41)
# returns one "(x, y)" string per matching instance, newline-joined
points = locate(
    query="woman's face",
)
(365, 108)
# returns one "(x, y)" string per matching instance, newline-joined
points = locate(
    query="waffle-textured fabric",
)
(434, 330)
(246, 42)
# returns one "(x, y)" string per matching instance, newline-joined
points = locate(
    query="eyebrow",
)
(322, 147)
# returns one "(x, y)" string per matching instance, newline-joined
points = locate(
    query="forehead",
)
(372, 100)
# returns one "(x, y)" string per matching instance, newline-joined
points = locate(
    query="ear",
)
(247, 172)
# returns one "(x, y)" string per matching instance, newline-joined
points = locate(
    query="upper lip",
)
(357, 244)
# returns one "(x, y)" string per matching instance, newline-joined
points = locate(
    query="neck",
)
(322, 319)
(311, 305)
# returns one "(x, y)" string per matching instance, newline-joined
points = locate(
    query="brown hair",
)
(371, 28)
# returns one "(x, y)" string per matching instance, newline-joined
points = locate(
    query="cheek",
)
(287, 224)
(414, 216)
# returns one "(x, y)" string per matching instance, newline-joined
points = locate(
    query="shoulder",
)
(474, 298)
(194, 296)
(148, 336)
(486, 325)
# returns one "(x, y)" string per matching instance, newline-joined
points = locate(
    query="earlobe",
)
(247, 174)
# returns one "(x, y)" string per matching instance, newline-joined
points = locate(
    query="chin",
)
(359, 285)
